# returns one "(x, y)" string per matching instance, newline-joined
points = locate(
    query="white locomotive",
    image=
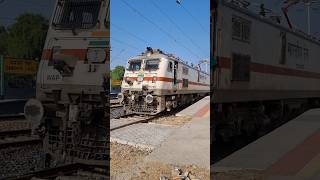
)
(155, 81)
(72, 84)
(263, 72)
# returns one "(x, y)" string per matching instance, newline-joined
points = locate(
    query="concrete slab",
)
(201, 105)
(146, 136)
(188, 145)
(290, 151)
(115, 123)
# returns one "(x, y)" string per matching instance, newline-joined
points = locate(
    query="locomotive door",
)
(175, 75)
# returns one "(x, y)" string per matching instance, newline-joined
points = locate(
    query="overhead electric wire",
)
(122, 42)
(161, 29)
(119, 53)
(131, 34)
(173, 23)
(194, 18)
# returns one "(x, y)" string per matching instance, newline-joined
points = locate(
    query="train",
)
(155, 81)
(70, 109)
(264, 72)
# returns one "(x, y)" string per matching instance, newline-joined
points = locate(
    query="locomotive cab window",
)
(134, 65)
(241, 67)
(152, 64)
(82, 14)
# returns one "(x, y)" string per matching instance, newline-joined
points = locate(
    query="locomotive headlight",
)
(96, 54)
(33, 111)
(149, 99)
(120, 97)
(132, 97)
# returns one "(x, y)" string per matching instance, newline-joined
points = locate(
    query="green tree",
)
(117, 73)
(27, 36)
(3, 40)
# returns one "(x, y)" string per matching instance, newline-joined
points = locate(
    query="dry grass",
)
(153, 170)
(172, 120)
(123, 158)
(129, 163)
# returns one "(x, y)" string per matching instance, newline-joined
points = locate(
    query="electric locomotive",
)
(155, 81)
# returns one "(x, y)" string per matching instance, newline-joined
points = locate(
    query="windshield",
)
(82, 14)
(152, 64)
(134, 65)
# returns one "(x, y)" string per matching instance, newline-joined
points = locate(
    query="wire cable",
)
(122, 42)
(133, 35)
(194, 18)
(118, 54)
(161, 29)
(174, 24)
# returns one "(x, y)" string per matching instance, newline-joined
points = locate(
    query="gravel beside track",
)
(16, 161)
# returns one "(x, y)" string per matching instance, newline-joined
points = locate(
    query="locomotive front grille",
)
(142, 107)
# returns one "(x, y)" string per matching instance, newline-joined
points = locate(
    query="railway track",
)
(131, 119)
(74, 171)
(124, 120)
(14, 133)
(11, 117)
(19, 142)
(13, 126)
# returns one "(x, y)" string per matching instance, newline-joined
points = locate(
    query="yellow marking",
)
(116, 82)
(311, 169)
(20, 66)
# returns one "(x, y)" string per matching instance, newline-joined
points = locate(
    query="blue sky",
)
(195, 27)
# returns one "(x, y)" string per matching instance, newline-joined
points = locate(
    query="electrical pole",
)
(206, 62)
